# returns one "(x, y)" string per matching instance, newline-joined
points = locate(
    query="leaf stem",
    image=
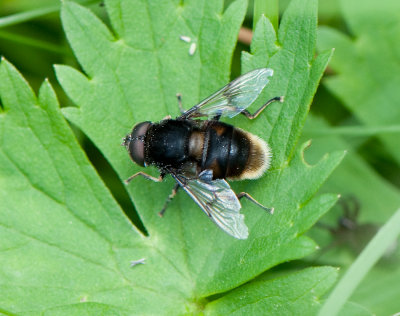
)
(21, 17)
(269, 8)
(385, 237)
(25, 40)
(353, 130)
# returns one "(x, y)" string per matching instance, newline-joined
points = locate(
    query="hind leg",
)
(251, 199)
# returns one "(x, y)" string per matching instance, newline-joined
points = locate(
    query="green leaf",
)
(366, 80)
(367, 68)
(370, 255)
(277, 296)
(60, 228)
(209, 265)
(268, 8)
(66, 240)
(350, 177)
(378, 201)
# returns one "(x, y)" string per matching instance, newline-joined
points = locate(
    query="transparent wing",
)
(218, 201)
(234, 97)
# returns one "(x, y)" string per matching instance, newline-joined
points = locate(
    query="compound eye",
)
(134, 142)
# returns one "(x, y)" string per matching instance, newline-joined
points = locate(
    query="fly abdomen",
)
(216, 150)
(196, 145)
(232, 153)
(238, 154)
(250, 156)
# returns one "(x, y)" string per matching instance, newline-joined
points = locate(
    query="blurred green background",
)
(356, 108)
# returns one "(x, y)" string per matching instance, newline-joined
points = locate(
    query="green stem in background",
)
(385, 237)
(352, 131)
(33, 14)
(269, 8)
(27, 15)
(29, 41)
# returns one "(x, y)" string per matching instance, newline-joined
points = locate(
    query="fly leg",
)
(256, 113)
(251, 199)
(169, 199)
(179, 97)
(146, 176)
(168, 117)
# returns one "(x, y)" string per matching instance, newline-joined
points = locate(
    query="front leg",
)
(146, 176)
(169, 199)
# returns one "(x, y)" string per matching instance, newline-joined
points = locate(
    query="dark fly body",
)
(202, 154)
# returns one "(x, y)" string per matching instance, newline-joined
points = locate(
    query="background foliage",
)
(80, 248)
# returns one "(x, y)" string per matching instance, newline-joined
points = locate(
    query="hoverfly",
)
(201, 154)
